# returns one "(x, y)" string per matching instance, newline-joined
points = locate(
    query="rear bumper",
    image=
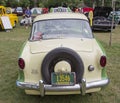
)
(43, 88)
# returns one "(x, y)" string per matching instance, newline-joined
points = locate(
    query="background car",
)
(116, 16)
(12, 16)
(60, 58)
(19, 11)
(102, 23)
(8, 12)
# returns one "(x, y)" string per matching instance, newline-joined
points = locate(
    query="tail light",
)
(21, 63)
(103, 61)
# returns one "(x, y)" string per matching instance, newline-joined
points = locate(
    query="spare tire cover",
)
(60, 54)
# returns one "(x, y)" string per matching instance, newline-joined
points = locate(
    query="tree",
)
(117, 4)
(2, 2)
(54, 3)
(24, 3)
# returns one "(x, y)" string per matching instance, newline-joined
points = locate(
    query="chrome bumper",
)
(82, 87)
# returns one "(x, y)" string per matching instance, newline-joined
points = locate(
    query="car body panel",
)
(48, 45)
(40, 55)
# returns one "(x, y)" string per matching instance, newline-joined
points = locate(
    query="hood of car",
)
(85, 45)
(102, 11)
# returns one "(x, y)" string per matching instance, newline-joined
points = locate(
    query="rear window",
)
(61, 28)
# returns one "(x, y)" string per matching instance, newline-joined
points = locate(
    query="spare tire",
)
(58, 55)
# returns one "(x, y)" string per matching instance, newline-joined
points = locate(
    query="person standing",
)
(28, 19)
(90, 16)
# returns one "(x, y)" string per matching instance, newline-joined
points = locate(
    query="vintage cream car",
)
(61, 57)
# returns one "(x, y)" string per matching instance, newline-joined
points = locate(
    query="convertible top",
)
(60, 15)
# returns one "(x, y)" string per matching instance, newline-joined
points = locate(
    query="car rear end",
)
(63, 64)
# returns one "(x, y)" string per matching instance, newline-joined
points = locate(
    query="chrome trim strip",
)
(82, 87)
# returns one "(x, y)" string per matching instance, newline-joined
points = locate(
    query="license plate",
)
(63, 78)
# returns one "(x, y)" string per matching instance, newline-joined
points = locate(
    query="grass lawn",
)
(10, 44)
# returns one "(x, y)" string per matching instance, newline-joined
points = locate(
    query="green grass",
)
(10, 44)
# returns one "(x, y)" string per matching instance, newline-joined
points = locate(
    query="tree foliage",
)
(2, 2)
(53, 3)
(24, 3)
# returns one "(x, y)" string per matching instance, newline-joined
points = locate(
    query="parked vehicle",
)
(19, 11)
(102, 23)
(8, 12)
(60, 58)
(116, 16)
